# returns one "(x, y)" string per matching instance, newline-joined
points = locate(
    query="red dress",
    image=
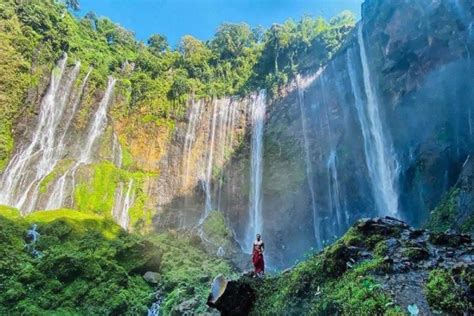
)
(257, 260)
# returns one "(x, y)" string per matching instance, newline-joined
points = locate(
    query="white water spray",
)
(123, 203)
(64, 185)
(255, 225)
(381, 163)
(19, 185)
(194, 118)
(309, 169)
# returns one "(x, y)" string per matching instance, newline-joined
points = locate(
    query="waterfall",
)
(335, 207)
(194, 118)
(309, 169)
(122, 205)
(381, 163)
(19, 185)
(62, 188)
(117, 155)
(331, 167)
(34, 236)
(210, 158)
(76, 102)
(226, 131)
(255, 224)
(98, 124)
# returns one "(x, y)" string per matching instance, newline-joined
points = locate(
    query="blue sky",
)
(200, 18)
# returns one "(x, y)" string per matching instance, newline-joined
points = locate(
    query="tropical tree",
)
(158, 44)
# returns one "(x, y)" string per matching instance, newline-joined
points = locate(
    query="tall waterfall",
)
(19, 185)
(381, 162)
(226, 136)
(335, 206)
(123, 203)
(194, 118)
(64, 185)
(98, 124)
(309, 169)
(255, 224)
(220, 138)
(210, 160)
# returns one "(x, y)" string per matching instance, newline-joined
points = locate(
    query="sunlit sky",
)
(200, 18)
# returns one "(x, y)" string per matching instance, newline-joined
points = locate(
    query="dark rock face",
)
(237, 298)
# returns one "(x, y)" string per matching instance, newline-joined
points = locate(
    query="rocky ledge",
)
(380, 266)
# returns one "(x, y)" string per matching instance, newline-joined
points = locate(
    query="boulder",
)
(152, 277)
(234, 297)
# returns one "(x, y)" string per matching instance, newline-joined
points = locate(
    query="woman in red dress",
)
(257, 256)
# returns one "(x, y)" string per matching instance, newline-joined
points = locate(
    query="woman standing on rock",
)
(257, 256)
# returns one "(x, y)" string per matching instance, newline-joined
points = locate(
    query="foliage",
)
(237, 60)
(95, 192)
(187, 270)
(445, 216)
(443, 294)
(158, 43)
(78, 271)
(89, 265)
(215, 229)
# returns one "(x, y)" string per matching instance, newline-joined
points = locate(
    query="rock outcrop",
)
(405, 264)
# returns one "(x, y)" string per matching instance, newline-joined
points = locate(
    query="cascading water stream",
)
(255, 224)
(381, 164)
(194, 118)
(331, 166)
(210, 160)
(342, 216)
(309, 169)
(19, 185)
(122, 205)
(117, 155)
(77, 100)
(98, 124)
(61, 188)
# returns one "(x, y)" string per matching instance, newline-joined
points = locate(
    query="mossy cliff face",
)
(456, 210)
(380, 266)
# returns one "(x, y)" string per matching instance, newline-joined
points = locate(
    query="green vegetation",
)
(326, 284)
(89, 265)
(96, 189)
(154, 80)
(445, 216)
(79, 271)
(215, 228)
(443, 291)
(187, 270)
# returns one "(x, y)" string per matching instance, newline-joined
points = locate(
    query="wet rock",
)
(232, 297)
(449, 239)
(187, 307)
(152, 277)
